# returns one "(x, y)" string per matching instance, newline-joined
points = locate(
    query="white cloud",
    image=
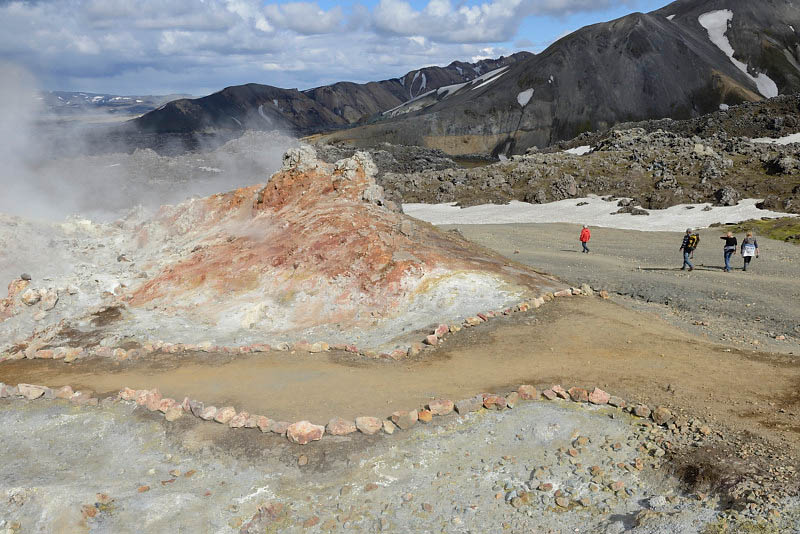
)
(305, 17)
(493, 21)
(151, 46)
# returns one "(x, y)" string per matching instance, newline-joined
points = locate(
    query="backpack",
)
(694, 240)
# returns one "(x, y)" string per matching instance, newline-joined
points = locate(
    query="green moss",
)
(783, 229)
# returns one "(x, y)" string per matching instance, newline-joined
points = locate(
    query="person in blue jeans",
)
(729, 249)
(688, 245)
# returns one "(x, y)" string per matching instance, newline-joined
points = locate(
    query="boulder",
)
(389, 427)
(662, 416)
(31, 391)
(280, 427)
(512, 399)
(165, 404)
(340, 427)
(469, 405)
(404, 419)
(153, 400)
(239, 420)
(441, 407)
(31, 297)
(727, 196)
(127, 394)
(561, 392)
(587, 290)
(65, 392)
(174, 413)
(208, 413)
(579, 394)
(196, 408)
(224, 415)
(263, 423)
(303, 432)
(617, 402)
(49, 299)
(494, 402)
(527, 392)
(598, 396)
(368, 425)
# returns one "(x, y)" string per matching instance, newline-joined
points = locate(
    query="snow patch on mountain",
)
(489, 77)
(579, 150)
(787, 140)
(524, 97)
(595, 212)
(716, 24)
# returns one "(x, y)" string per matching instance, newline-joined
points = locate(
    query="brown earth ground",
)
(577, 341)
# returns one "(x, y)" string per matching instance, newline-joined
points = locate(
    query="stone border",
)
(304, 432)
(71, 354)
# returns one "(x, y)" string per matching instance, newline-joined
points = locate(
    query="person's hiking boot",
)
(691, 269)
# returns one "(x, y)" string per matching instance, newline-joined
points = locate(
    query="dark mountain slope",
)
(263, 107)
(637, 67)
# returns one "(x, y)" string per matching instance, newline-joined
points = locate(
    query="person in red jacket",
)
(586, 235)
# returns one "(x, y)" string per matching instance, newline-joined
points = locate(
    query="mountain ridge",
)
(681, 61)
(338, 105)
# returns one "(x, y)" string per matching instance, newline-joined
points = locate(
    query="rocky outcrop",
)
(658, 169)
(316, 253)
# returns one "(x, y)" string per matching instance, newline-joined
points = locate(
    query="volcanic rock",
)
(579, 394)
(527, 392)
(224, 415)
(30, 391)
(340, 427)
(316, 232)
(368, 425)
(441, 407)
(598, 396)
(473, 404)
(404, 419)
(304, 432)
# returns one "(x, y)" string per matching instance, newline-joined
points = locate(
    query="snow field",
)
(597, 212)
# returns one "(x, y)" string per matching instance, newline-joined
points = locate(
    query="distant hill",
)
(682, 61)
(674, 62)
(263, 107)
(70, 103)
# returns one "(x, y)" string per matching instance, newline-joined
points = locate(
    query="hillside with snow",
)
(685, 60)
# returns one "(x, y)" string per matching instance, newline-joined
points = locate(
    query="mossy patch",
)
(784, 229)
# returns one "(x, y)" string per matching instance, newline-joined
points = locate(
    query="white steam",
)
(38, 181)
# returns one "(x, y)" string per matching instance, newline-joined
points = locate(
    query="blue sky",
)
(200, 46)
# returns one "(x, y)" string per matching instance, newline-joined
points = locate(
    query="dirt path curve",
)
(740, 307)
(578, 341)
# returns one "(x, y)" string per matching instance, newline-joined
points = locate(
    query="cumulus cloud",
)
(169, 46)
(494, 21)
(305, 17)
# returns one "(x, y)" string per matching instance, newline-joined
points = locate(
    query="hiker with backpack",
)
(749, 249)
(689, 243)
(729, 249)
(586, 235)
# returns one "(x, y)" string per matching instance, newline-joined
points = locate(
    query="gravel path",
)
(543, 467)
(747, 309)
